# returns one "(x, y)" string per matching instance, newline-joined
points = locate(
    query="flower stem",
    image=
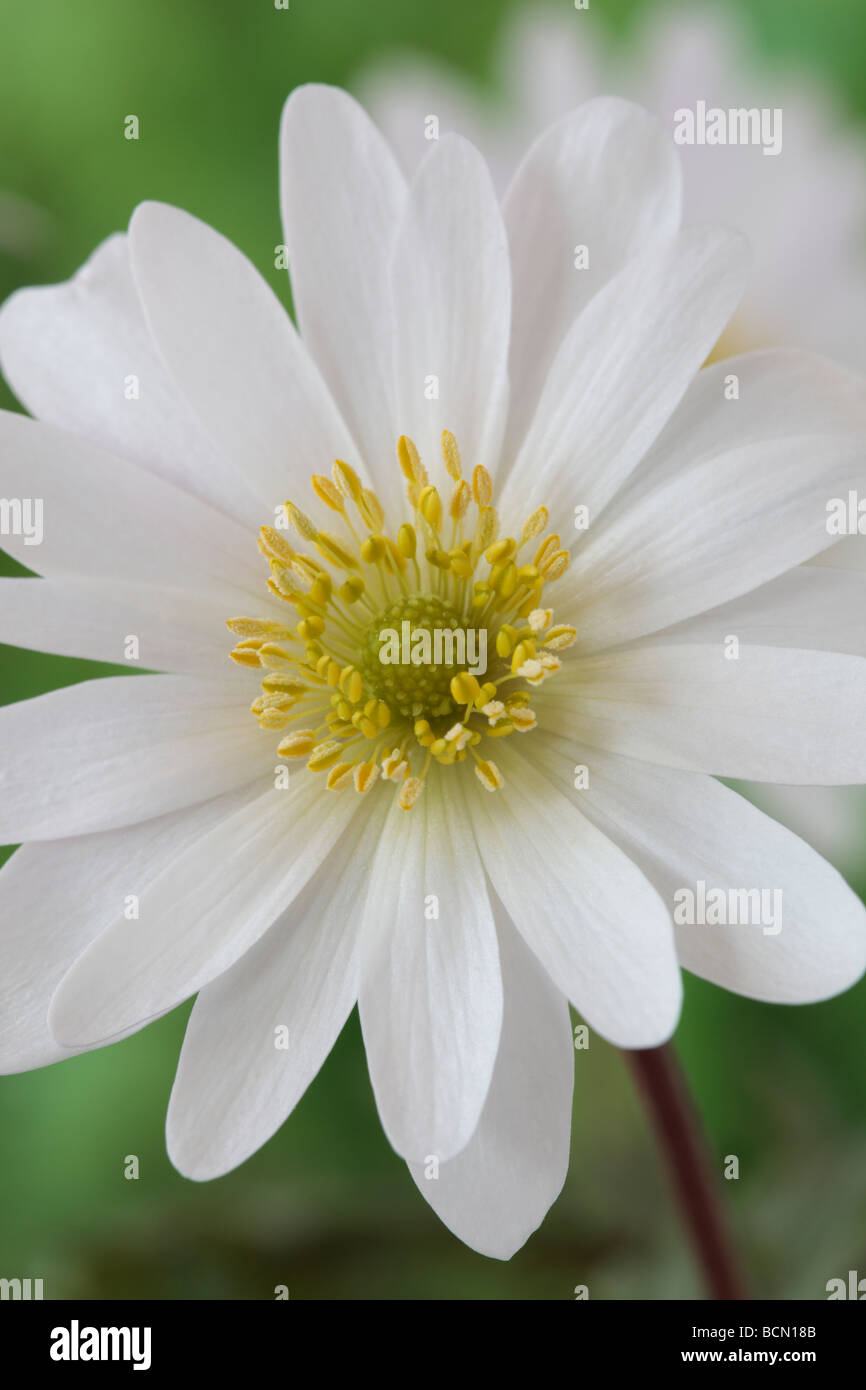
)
(662, 1084)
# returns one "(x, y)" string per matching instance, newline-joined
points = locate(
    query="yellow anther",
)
(352, 589)
(523, 719)
(461, 496)
(500, 551)
(451, 455)
(368, 727)
(461, 565)
(440, 558)
(535, 524)
(300, 744)
(488, 691)
(527, 574)
(438, 747)
(409, 793)
(489, 775)
(482, 486)
(287, 685)
(507, 582)
(321, 590)
(339, 776)
(423, 733)
(365, 775)
(373, 549)
(274, 545)
(245, 656)
(430, 506)
(371, 510)
(325, 755)
(407, 541)
(253, 627)
(274, 657)
(494, 711)
(481, 596)
(328, 493)
(558, 638)
(465, 689)
(410, 461)
(556, 566)
(505, 641)
(383, 715)
(394, 561)
(347, 480)
(486, 528)
(334, 550)
(311, 628)
(524, 651)
(500, 729)
(283, 581)
(345, 711)
(548, 546)
(301, 522)
(273, 718)
(540, 618)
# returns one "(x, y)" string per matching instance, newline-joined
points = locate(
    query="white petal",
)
(342, 197)
(57, 896)
(622, 369)
(817, 608)
(496, 1192)
(452, 305)
(773, 714)
(733, 493)
(590, 916)
(115, 751)
(716, 531)
(103, 516)
(235, 354)
(606, 177)
(683, 829)
(76, 353)
(177, 630)
(431, 992)
(236, 1083)
(209, 906)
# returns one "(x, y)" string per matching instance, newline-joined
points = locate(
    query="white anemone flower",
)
(806, 290)
(433, 853)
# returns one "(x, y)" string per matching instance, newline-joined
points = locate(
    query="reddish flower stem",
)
(662, 1084)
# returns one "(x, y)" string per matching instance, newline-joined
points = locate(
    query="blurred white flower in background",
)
(803, 210)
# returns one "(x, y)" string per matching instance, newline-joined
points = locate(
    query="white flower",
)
(806, 289)
(179, 414)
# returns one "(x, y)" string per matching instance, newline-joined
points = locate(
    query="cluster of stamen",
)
(326, 688)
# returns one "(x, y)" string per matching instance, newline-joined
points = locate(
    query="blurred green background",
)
(326, 1207)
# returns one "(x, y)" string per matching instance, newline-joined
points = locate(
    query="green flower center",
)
(413, 630)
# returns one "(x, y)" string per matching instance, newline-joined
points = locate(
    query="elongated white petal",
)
(621, 370)
(58, 895)
(605, 178)
(258, 1034)
(590, 916)
(209, 906)
(815, 608)
(727, 525)
(100, 516)
(176, 630)
(79, 356)
(772, 714)
(496, 1192)
(115, 751)
(803, 937)
(431, 993)
(342, 197)
(452, 305)
(259, 394)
